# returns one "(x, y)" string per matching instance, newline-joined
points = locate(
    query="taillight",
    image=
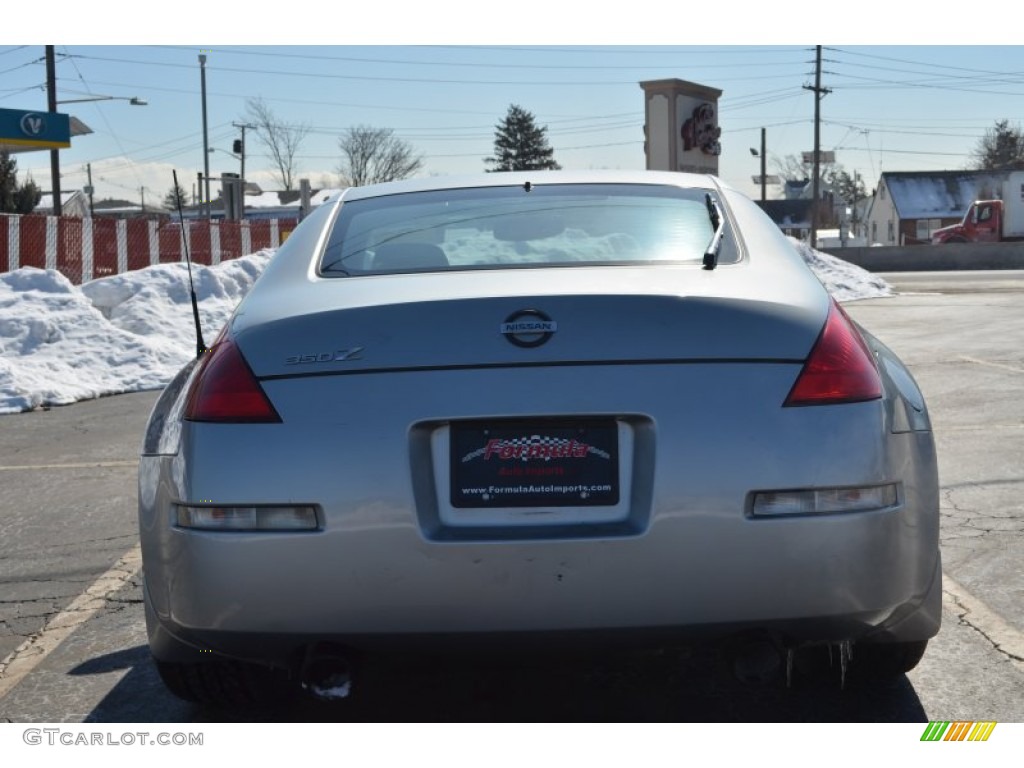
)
(840, 368)
(226, 390)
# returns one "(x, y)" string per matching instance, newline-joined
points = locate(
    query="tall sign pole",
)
(51, 106)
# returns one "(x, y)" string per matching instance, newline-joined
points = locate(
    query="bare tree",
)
(372, 155)
(793, 168)
(281, 139)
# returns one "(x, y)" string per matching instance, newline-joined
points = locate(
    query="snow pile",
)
(155, 302)
(845, 281)
(60, 343)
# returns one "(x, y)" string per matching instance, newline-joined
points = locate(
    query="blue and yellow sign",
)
(36, 130)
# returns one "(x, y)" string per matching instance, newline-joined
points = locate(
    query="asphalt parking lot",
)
(72, 637)
(961, 334)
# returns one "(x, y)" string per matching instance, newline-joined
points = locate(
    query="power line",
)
(379, 78)
(915, 63)
(461, 64)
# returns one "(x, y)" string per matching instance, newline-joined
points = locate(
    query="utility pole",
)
(206, 143)
(764, 169)
(819, 92)
(51, 106)
(240, 147)
(89, 189)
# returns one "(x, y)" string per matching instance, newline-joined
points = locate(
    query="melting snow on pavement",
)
(61, 343)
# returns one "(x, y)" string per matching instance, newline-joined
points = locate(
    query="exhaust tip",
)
(327, 674)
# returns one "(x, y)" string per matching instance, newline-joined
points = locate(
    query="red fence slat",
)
(69, 248)
(119, 244)
(5, 264)
(33, 242)
(104, 247)
(138, 243)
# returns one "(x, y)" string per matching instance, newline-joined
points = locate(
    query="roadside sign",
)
(34, 130)
(823, 157)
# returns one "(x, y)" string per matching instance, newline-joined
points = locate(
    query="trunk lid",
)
(597, 314)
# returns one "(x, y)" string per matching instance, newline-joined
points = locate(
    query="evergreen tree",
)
(520, 145)
(15, 198)
(175, 195)
(1000, 149)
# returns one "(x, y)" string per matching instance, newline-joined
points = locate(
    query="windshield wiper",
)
(333, 267)
(718, 222)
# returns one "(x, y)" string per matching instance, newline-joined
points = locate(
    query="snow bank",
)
(60, 343)
(845, 281)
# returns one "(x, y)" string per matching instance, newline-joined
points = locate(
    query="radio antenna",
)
(200, 344)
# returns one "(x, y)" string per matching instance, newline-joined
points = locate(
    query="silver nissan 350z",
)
(537, 407)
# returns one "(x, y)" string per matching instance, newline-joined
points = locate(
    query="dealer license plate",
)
(540, 463)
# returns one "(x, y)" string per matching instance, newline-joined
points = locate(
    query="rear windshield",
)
(502, 227)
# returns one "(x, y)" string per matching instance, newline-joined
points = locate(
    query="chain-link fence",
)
(84, 249)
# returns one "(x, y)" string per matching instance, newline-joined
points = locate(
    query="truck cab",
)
(983, 223)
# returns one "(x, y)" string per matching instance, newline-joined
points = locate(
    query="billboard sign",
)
(34, 130)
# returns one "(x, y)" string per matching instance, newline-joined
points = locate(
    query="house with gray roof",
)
(908, 206)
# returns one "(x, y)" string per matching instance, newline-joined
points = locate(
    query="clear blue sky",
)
(890, 107)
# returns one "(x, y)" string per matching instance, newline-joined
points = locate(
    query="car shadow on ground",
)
(671, 685)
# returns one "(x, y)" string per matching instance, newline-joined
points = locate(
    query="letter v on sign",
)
(33, 125)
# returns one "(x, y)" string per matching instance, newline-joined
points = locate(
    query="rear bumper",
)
(390, 565)
(268, 596)
(915, 620)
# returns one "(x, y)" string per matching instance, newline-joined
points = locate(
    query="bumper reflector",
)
(301, 518)
(823, 501)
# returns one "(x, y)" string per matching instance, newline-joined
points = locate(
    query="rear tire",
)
(223, 684)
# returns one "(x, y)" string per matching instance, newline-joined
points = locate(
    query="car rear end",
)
(625, 446)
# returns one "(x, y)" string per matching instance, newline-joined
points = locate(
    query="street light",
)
(51, 106)
(135, 101)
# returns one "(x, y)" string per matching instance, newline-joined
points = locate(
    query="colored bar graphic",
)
(957, 732)
(982, 731)
(944, 730)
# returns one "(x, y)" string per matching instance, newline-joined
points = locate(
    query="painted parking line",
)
(1003, 366)
(1006, 638)
(75, 465)
(27, 656)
